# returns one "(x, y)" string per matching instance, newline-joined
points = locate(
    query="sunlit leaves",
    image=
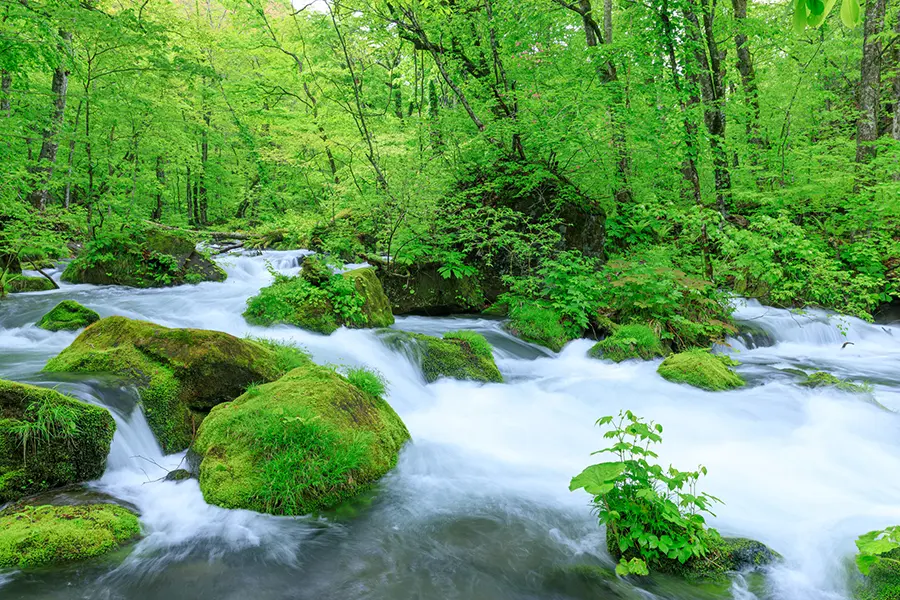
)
(874, 545)
(812, 13)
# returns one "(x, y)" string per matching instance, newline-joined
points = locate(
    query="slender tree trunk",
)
(895, 126)
(607, 22)
(161, 179)
(71, 157)
(5, 90)
(870, 81)
(201, 181)
(40, 195)
(748, 74)
(188, 198)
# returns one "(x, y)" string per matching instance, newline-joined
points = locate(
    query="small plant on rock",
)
(368, 380)
(654, 516)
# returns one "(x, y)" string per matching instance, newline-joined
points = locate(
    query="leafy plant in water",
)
(875, 547)
(652, 515)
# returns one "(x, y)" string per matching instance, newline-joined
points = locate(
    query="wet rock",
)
(464, 355)
(23, 283)
(68, 315)
(179, 475)
(701, 369)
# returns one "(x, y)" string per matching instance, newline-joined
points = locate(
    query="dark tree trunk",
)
(870, 81)
(188, 196)
(748, 74)
(895, 126)
(161, 179)
(5, 90)
(201, 182)
(40, 195)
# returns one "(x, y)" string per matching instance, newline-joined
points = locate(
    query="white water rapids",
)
(479, 506)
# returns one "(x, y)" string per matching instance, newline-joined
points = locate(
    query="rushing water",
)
(478, 507)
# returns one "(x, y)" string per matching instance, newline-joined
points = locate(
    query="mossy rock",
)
(462, 355)
(179, 475)
(48, 440)
(305, 301)
(307, 442)
(68, 315)
(627, 342)
(48, 535)
(701, 369)
(538, 324)
(883, 579)
(143, 258)
(421, 290)
(823, 379)
(16, 284)
(590, 582)
(180, 373)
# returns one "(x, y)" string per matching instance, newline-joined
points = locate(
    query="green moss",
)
(180, 373)
(307, 442)
(354, 299)
(460, 355)
(701, 369)
(142, 257)
(48, 440)
(68, 315)
(376, 306)
(883, 580)
(628, 341)
(44, 535)
(421, 289)
(823, 379)
(367, 380)
(538, 324)
(22, 283)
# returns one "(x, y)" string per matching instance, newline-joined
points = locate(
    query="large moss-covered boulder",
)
(538, 324)
(180, 373)
(459, 355)
(15, 284)
(68, 315)
(420, 289)
(628, 341)
(701, 369)
(321, 301)
(143, 258)
(307, 442)
(49, 440)
(34, 536)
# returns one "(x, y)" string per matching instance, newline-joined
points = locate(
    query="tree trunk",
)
(5, 89)
(201, 183)
(40, 195)
(748, 74)
(895, 126)
(188, 199)
(161, 179)
(870, 81)
(607, 22)
(71, 158)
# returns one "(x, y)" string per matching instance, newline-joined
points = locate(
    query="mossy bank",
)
(307, 442)
(47, 535)
(465, 355)
(180, 373)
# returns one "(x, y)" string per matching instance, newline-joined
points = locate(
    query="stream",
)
(478, 507)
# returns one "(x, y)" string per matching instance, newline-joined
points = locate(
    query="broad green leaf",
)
(597, 479)
(800, 15)
(850, 13)
(816, 20)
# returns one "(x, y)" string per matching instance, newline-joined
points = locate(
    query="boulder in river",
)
(307, 442)
(420, 289)
(823, 379)
(142, 258)
(538, 324)
(15, 284)
(321, 301)
(33, 536)
(68, 315)
(49, 440)
(180, 373)
(701, 369)
(462, 355)
(629, 341)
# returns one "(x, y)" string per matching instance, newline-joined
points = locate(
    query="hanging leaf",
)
(816, 7)
(850, 13)
(817, 20)
(598, 479)
(799, 15)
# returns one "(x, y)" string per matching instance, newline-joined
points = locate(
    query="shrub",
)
(628, 341)
(654, 516)
(370, 381)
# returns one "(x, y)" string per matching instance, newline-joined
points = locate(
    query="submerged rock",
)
(823, 379)
(180, 373)
(701, 369)
(45, 535)
(304, 443)
(146, 258)
(49, 440)
(68, 315)
(321, 301)
(179, 475)
(462, 355)
(627, 342)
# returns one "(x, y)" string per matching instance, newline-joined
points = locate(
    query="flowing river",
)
(478, 507)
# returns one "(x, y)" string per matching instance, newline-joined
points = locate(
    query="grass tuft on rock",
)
(47, 535)
(367, 380)
(307, 442)
(627, 342)
(68, 315)
(701, 369)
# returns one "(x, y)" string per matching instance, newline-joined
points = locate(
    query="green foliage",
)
(876, 546)
(68, 315)
(370, 381)
(628, 341)
(538, 323)
(306, 442)
(34, 536)
(701, 369)
(654, 516)
(474, 341)
(878, 559)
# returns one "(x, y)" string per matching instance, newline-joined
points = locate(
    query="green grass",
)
(476, 342)
(628, 341)
(535, 323)
(44, 535)
(367, 380)
(287, 355)
(701, 369)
